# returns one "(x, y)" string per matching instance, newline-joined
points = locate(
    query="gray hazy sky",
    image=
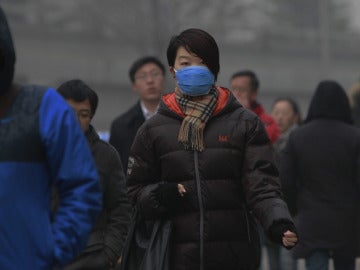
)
(355, 10)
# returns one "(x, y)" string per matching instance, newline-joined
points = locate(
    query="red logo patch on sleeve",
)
(223, 138)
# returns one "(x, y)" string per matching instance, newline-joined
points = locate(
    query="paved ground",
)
(300, 263)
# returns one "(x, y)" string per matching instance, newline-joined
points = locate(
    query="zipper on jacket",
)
(201, 208)
(247, 225)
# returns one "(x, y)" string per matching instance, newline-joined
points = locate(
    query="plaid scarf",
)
(198, 111)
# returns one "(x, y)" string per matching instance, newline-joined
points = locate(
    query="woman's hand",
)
(170, 194)
(181, 189)
(289, 239)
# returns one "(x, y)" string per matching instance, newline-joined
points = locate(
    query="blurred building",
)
(292, 45)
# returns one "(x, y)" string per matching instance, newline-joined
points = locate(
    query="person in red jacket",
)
(244, 86)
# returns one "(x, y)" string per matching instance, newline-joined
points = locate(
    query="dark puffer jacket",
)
(107, 237)
(109, 231)
(232, 178)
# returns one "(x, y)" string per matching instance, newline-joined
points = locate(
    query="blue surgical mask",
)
(194, 80)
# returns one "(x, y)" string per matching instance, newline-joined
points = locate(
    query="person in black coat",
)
(354, 97)
(108, 234)
(148, 81)
(320, 175)
(205, 163)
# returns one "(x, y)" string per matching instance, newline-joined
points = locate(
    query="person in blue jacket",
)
(41, 145)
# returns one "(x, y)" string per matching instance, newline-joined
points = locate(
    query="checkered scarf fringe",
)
(198, 111)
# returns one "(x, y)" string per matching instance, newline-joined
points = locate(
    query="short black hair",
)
(143, 61)
(198, 42)
(254, 81)
(79, 91)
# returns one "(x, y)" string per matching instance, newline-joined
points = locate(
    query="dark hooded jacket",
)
(320, 174)
(109, 231)
(7, 55)
(233, 179)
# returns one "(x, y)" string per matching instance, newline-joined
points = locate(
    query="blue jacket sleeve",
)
(74, 174)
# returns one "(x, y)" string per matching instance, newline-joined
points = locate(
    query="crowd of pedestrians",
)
(198, 178)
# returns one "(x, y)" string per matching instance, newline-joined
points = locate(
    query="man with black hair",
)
(108, 234)
(245, 87)
(40, 141)
(148, 81)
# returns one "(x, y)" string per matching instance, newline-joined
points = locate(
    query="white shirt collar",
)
(147, 114)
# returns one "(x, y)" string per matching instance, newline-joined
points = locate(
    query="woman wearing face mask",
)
(205, 163)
